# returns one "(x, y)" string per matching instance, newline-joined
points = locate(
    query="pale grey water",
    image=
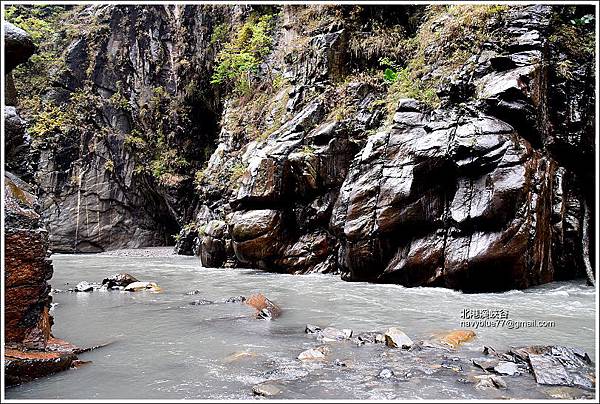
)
(165, 348)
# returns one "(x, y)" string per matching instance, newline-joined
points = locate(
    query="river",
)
(163, 347)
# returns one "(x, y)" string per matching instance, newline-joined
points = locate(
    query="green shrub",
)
(109, 166)
(236, 172)
(242, 56)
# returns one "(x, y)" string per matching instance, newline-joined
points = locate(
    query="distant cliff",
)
(421, 145)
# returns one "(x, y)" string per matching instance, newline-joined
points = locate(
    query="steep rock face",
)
(476, 195)
(27, 300)
(460, 199)
(30, 349)
(323, 160)
(133, 83)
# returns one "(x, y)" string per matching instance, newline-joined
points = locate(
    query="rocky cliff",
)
(442, 145)
(30, 349)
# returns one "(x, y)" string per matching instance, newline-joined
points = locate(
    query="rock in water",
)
(265, 390)
(84, 286)
(122, 279)
(314, 354)
(386, 374)
(396, 338)
(311, 329)
(201, 302)
(237, 356)
(139, 286)
(333, 334)
(235, 299)
(260, 303)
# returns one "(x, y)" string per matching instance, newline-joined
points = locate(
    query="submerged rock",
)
(237, 356)
(201, 302)
(194, 292)
(333, 334)
(311, 329)
(235, 299)
(396, 338)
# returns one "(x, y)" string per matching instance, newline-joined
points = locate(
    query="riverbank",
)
(164, 346)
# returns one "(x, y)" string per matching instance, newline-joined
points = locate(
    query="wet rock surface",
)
(31, 351)
(486, 190)
(265, 309)
(469, 196)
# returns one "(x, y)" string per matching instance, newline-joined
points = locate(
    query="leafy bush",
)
(586, 19)
(242, 56)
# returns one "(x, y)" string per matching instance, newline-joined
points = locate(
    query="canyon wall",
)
(441, 145)
(30, 348)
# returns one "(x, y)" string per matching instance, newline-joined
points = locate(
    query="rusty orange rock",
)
(260, 303)
(455, 338)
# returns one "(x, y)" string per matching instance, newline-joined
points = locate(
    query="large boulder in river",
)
(122, 279)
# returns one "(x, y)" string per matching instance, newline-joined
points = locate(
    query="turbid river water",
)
(164, 347)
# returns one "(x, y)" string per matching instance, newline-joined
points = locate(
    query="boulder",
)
(265, 390)
(18, 46)
(122, 279)
(396, 338)
(21, 366)
(557, 365)
(84, 286)
(455, 338)
(314, 354)
(140, 286)
(265, 308)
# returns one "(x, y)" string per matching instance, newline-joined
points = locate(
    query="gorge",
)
(447, 146)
